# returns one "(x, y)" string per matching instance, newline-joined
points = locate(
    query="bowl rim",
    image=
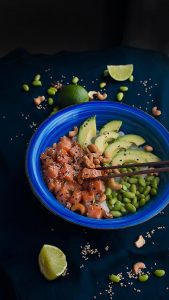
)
(73, 217)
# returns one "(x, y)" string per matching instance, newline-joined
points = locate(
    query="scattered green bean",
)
(142, 182)
(142, 202)
(129, 195)
(134, 201)
(37, 77)
(51, 92)
(102, 85)
(114, 278)
(143, 278)
(130, 207)
(116, 214)
(120, 96)
(124, 187)
(112, 201)
(25, 87)
(147, 190)
(149, 178)
(126, 200)
(141, 189)
(131, 78)
(50, 101)
(133, 188)
(120, 197)
(114, 194)
(108, 191)
(159, 273)
(75, 80)
(123, 210)
(117, 205)
(147, 198)
(123, 88)
(133, 180)
(36, 83)
(153, 192)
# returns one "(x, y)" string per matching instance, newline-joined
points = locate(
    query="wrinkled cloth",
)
(25, 225)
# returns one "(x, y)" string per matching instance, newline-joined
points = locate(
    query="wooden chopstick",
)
(149, 171)
(147, 164)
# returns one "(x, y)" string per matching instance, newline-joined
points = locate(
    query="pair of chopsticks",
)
(148, 171)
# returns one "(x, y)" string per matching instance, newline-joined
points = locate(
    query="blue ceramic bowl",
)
(134, 121)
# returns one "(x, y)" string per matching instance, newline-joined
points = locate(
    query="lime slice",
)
(120, 72)
(52, 262)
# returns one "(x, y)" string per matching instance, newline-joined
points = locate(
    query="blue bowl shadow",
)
(134, 121)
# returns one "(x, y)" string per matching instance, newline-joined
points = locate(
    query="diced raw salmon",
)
(58, 185)
(88, 196)
(51, 185)
(67, 172)
(61, 156)
(76, 151)
(97, 186)
(52, 172)
(94, 211)
(63, 195)
(65, 143)
(76, 197)
(90, 173)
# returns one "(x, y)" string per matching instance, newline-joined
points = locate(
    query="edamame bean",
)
(133, 188)
(143, 278)
(159, 273)
(56, 108)
(142, 202)
(123, 170)
(147, 190)
(149, 178)
(51, 92)
(141, 189)
(154, 183)
(36, 83)
(147, 198)
(124, 187)
(116, 214)
(50, 101)
(131, 78)
(120, 96)
(137, 193)
(120, 197)
(123, 210)
(130, 207)
(126, 200)
(123, 88)
(108, 191)
(117, 205)
(129, 170)
(75, 80)
(112, 201)
(133, 180)
(134, 201)
(37, 77)
(102, 85)
(114, 194)
(142, 182)
(153, 192)
(106, 73)
(25, 87)
(157, 180)
(129, 195)
(114, 278)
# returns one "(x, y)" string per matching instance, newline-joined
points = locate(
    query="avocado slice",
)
(115, 147)
(102, 140)
(134, 155)
(111, 126)
(87, 131)
(132, 138)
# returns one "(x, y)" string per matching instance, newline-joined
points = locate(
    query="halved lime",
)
(72, 94)
(120, 72)
(52, 262)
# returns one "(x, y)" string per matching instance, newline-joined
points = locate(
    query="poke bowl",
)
(130, 122)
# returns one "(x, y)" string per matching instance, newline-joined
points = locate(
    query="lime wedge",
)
(120, 72)
(52, 262)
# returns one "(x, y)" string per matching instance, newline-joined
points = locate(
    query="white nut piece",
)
(39, 100)
(137, 267)
(140, 242)
(156, 112)
(91, 94)
(148, 148)
(88, 163)
(115, 171)
(114, 185)
(73, 132)
(93, 148)
(101, 96)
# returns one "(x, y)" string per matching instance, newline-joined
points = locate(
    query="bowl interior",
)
(134, 121)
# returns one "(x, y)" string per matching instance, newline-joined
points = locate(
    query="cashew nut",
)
(39, 100)
(156, 112)
(57, 85)
(93, 148)
(115, 171)
(148, 148)
(140, 242)
(79, 207)
(88, 162)
(73, 132)
(105, 159)
(114, 185)
(101, 96)
(106, 215)
(138, 267)
(96, 161)
(91, 94)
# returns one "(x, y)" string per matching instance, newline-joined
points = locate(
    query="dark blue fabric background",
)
(25, 225)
